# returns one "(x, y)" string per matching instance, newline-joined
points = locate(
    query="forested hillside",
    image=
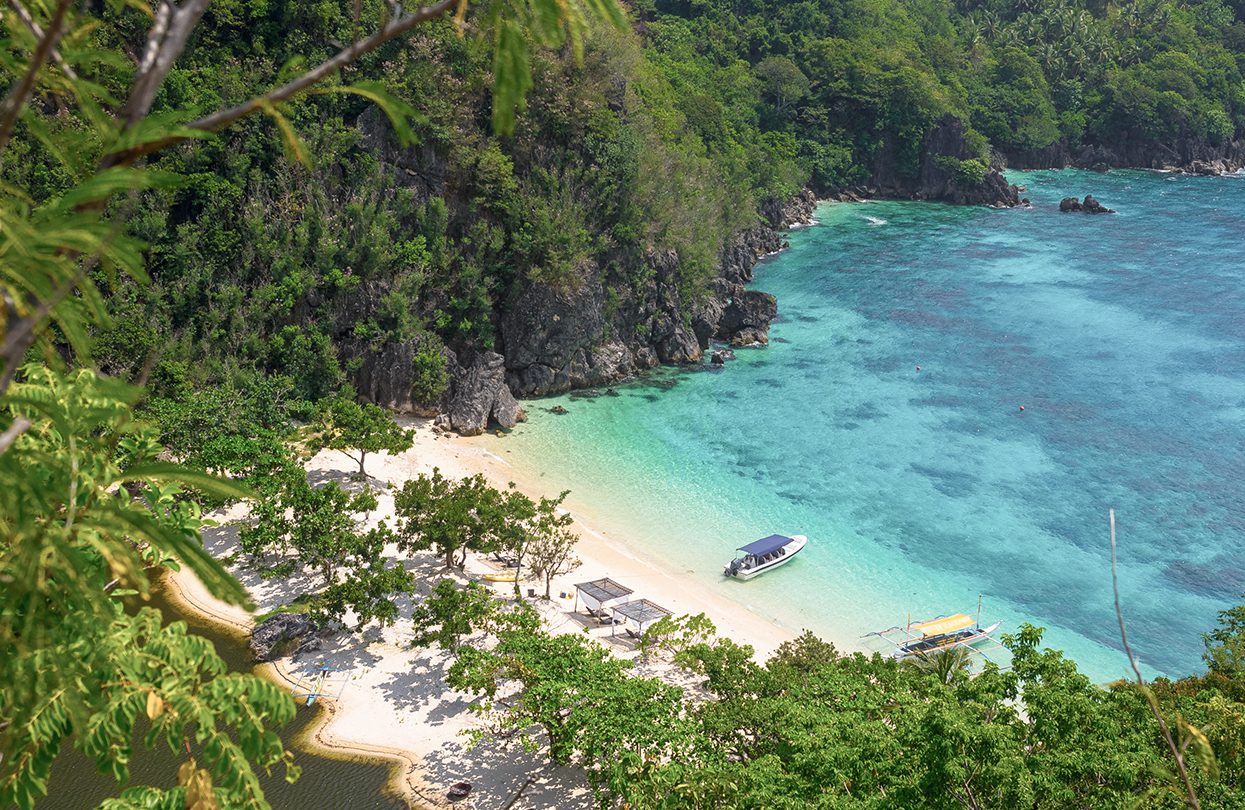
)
(614, 228)
(854, 88)
(610, 210)
(447, 250)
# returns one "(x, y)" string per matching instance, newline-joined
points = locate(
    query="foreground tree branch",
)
(165, 42)
(13, 103)
(33, 27)
(223, 118)
(1190, 793)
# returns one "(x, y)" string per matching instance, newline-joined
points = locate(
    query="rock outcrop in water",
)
(746, 319)
(282, 634)
(1088, 206)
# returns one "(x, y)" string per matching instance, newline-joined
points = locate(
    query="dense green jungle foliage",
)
(282, 249)
(671, 137)
(844, 84)
(812, 727)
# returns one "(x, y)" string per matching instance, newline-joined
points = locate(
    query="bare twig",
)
(33, 27)
(20, 425)
(159, 25)
(165, 42)
(13, 103)
(223, 118)
(1190, 793)
(19, 339)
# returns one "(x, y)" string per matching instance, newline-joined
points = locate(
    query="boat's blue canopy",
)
(765, 545)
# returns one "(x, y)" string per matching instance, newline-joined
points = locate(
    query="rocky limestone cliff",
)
(556, 339)
(1193, 155)
(943, 147)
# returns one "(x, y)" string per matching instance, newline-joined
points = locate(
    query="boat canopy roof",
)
(765, 545)
(943, 625)
(603, 590)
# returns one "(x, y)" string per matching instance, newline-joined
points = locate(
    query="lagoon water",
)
(1122, 336)
(76, 783)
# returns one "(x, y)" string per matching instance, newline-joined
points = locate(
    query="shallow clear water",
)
(76, 784)
(1122, 336)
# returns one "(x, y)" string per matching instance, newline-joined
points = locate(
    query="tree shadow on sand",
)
(500, 773)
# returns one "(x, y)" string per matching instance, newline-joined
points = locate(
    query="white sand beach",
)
(393, 702)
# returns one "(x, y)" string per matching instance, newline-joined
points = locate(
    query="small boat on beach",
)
(936, 635)
(764, 554)
(501, 576)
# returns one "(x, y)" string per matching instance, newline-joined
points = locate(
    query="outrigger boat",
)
(764, 554)
(938, 634)
(321, 684)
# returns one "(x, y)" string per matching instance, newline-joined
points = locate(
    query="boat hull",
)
(932, 646)
(797, 544)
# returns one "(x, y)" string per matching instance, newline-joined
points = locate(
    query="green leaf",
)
(110, 182)
(294, 147)
(399, 113)
(165, 471)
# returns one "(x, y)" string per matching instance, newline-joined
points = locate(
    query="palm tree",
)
(948, 666)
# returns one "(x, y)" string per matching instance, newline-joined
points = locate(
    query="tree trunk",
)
(362, 458)
(548, 582)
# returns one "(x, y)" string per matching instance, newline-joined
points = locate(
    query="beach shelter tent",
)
(600, 594)
(637, 615)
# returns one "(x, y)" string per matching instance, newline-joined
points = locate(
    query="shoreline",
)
(394, 705)
(176, 586)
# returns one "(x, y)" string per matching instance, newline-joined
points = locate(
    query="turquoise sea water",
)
(1122, 336)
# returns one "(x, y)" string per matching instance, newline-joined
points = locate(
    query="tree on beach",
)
(358, 429)
(322, 529)
(367, 590)
(452, 612)
(550, 549)
(325, 528)
(524, 522)
(451, 517)
(592, 712)
(320, 526)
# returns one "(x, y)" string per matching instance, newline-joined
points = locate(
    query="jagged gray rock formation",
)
(479, 393)
(280, 634)
(937, 177)
(384, 375)
(747, 318)
(557, 339)
(1193, 154)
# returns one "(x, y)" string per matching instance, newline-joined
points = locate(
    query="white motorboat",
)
(764, 554)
